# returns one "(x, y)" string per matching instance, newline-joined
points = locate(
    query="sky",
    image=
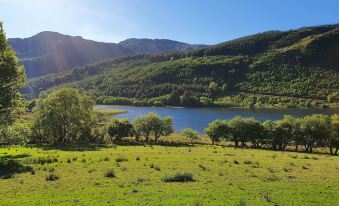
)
(191, 21)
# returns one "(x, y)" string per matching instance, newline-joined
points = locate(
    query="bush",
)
(179, 177)
(110, 173)
(18, 133)
(52, 177)
(121, 159)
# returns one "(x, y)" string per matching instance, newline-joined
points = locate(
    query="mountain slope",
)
(156, 45)
(300, 63)
(51, 52)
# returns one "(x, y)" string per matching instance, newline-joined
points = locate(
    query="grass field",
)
(222, 176)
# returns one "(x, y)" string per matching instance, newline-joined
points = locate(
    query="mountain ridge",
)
(52, 52)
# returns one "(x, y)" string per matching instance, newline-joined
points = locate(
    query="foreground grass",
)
(134, 175)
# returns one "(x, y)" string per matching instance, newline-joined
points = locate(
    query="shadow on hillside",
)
(9, 166)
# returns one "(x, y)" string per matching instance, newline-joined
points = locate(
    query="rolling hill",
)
(269, 67)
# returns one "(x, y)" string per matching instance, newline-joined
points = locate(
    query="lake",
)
(198, 118)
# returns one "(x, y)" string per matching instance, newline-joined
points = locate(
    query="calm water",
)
(198, 118)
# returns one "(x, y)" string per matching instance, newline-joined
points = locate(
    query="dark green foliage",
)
(179, 177)
(119, 128)
(12, 78)
(121, 159)
(110, 173)
(311, 131)
(64, 117)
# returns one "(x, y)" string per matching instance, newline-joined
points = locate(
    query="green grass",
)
(260, 177)
(110, 111)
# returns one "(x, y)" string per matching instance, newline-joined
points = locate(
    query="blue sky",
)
(192, 21)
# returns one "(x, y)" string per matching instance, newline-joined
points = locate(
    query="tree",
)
(205, 101)
(65, 116)
(12, 78)
(224, 88)
(187, 99)
(333, 142)
(17, 133)
(270, 133)
(151, 123)
(119, 128)
(174, 98)
(190, 134)
(333, 97)
(244, 130)
(214, 89)
(284, 132)
(217, 130)
(316, 129)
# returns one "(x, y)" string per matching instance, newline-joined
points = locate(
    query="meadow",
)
(136, 175)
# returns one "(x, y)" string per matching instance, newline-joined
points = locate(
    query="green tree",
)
(119, 128)
(12, 78)
(65, 116)
(224, 88)
(217, 130)
(283, 132)
(333, 97)
(174, 98)
(316, 129)
(214, 89)
(244, 130)
(17, 133)
(190, 134)
(333, 142)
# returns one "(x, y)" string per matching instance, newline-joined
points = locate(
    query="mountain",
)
(52, 52)
(156, 45)
(295, 67)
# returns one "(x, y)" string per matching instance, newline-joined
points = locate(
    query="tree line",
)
(310, 132)
(67, 117)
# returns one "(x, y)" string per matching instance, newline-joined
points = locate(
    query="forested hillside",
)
(52, 52)
(295, 68)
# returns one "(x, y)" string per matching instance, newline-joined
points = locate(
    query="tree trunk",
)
(331, 150)
(296, 147)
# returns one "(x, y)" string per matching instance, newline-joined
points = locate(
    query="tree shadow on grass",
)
(80, 148)
(9, 166)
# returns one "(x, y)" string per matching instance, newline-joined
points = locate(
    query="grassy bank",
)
(134, 175)
(110, 111)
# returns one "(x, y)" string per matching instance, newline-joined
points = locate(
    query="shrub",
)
(121, 159)
(52, 177)
(236, 162)
(179, 177)
(203, 167)
(247, 162)
(110, 173)
(156, 167)
(273, 178)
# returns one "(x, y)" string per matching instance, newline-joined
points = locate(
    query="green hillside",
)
(294, 68)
